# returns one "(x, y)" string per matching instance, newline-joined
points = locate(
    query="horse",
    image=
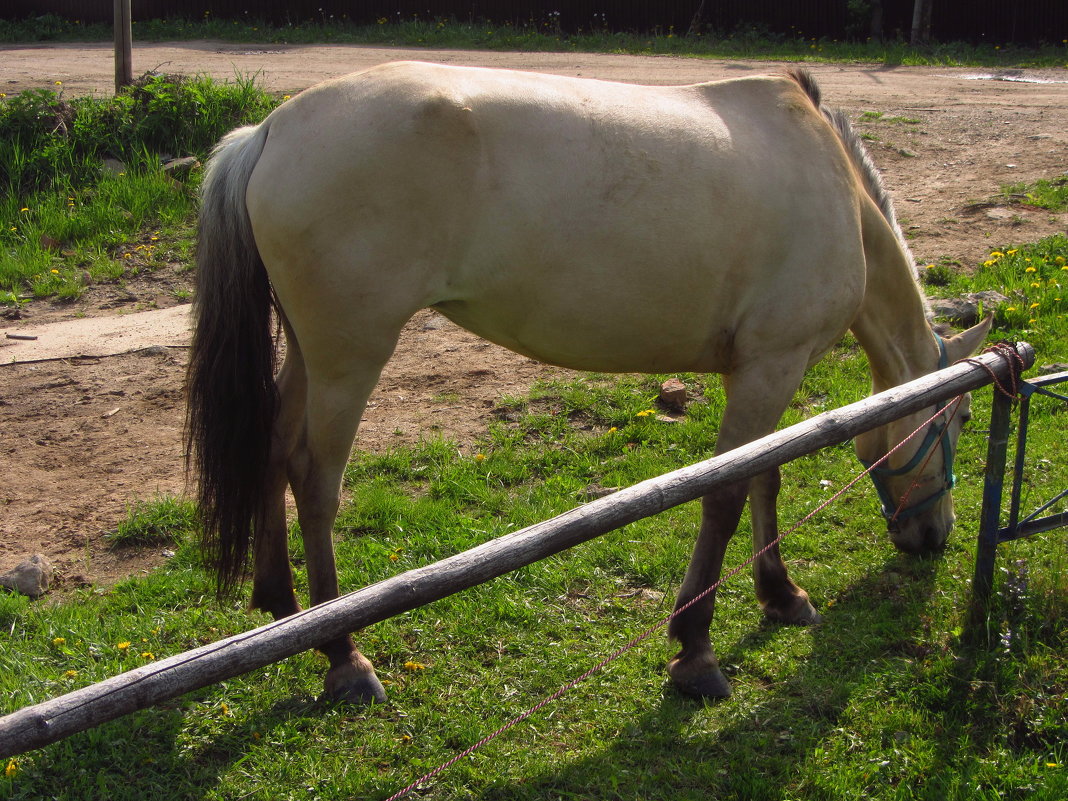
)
(561, 218)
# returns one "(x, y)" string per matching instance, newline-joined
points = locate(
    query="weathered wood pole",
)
(123, 44)
(46, 722)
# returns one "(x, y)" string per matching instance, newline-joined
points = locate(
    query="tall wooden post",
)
(123, 44)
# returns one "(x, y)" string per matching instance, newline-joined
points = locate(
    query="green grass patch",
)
(1033, 278)
(884, 700)
(166, 519)
(84, 196)
(1044, 194)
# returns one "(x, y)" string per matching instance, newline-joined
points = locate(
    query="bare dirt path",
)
(82, 439)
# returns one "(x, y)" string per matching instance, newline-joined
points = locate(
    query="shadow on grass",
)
(678, 750)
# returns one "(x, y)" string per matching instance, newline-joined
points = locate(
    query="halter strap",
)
(935, 433)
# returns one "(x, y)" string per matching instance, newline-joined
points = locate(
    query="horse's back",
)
(562, 217)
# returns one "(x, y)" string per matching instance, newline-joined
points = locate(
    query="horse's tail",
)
(231, 395)
(858, 154)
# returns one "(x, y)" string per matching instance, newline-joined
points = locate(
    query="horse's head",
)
(914, 483)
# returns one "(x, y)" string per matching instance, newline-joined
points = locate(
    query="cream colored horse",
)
(563, 219)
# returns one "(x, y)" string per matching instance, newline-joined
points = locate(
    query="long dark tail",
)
(231, 395)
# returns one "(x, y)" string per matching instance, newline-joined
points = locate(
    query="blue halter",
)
(935, 433)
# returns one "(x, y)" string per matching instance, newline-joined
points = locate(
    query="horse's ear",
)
(968, 342)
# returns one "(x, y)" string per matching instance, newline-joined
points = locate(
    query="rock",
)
(673, 395)
(964, 311)
(31, 577)
(179, 169)
(114, 166)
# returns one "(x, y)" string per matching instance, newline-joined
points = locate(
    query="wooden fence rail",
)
(49, 721)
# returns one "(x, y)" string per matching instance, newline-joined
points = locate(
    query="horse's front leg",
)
(779, 597)
(695, 669)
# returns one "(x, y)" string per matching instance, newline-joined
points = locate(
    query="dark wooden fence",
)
(995, 21)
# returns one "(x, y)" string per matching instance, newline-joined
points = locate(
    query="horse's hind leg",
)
(272, 581)
(779, 597)
(335, 405)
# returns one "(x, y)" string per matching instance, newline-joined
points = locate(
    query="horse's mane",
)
(869, 173)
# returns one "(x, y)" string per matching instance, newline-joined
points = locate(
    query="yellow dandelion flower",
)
(122, 646)
(148, 655)
(996, 254)
(1033, 306)
(1065, 267)
(1012, 252)
(58, 83)
(1035, 285)
(988, 263)
(11, 769)
(413, 666)
(645, 412)
(1032, 321)
(24, 208)
(612, 430)
(59, 641)
(224, 709)
(286, 97)
(70, 674)
(55, 272)
(480, 457)
(1031, 270)
(1010, 308)
(1059, 260)
(393, 557)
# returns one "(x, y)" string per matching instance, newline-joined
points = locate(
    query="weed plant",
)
(67, 219)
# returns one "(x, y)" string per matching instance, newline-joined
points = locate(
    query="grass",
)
(67, 221)
(545, 36)
(884, 700)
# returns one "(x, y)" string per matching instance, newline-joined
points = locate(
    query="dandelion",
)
(55, 272)
(123, 646)
(286, 97)
(1059, 260)
(11, 769)
(479, 457)
(1035, 285)
(1031, 270)
(58, 641)
(24, 208)
(996, 254)
(645, 412)
(70, 674)
(1010, 308)
(1012, 252)
(414, 666)
(612, 430)
(989, 263)
(1033, 306)
(148, 656)
(224, 710)
(59, 83)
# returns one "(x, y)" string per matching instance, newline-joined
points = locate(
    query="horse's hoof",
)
(707, 682)
(362, 689)
(799, 611)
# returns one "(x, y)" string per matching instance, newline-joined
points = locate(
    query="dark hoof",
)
(798, 612)
(707, 682)
(362, 690)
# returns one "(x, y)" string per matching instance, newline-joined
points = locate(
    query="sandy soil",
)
(86, 434)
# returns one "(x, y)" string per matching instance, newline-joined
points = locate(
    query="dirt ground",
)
(84, 438)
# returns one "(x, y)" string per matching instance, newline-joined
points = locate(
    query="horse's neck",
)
(892, 324)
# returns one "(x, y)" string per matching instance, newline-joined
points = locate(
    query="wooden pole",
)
(53, 720)
(123, 44)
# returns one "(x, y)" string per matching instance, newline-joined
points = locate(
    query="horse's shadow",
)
(670, 753)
